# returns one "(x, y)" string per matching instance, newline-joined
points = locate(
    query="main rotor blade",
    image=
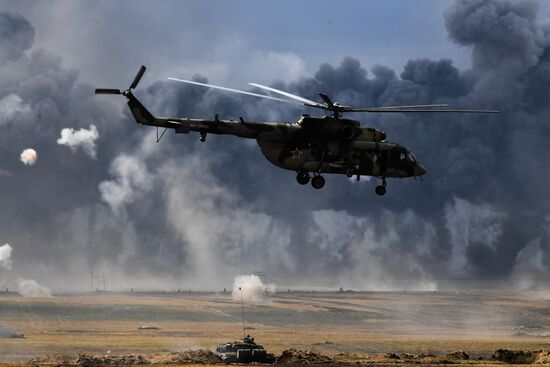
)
(411, 106)
(138, 76)
(233, 90)
(382, 109)
(327, 99)
(107, 91)
(308, 102)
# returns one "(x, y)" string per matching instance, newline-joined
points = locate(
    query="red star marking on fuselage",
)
(296, 154)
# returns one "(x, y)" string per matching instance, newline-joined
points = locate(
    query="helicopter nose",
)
(419, 170)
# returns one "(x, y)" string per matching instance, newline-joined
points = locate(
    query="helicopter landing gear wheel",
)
(302, 178)
(381, 189)
(318, 182)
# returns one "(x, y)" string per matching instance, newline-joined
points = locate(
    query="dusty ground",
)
(365, 324)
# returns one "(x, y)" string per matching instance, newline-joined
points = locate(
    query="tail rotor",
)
(107, 91)
(138, 77)
(141, 114)
(134, 84)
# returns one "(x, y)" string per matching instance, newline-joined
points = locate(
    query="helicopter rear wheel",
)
(302, 178)
(318, 182)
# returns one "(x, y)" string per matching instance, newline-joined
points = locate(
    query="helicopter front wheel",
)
(303, 178)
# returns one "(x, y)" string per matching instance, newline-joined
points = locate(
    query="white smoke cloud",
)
(82, 138)
(31, 288)
(219, 227)
(10, 106)
(530, 265)
(389, 262)
(260, 65)
(5, 256)
(29, 156)
(285, 66)
(251, 288)
(470, 224)
(131, 180)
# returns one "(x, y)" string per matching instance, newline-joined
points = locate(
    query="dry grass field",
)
(372, 323)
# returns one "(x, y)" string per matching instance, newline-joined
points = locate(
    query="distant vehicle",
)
(6, 332)
(148, 327)
(313, 145)
(244, 351)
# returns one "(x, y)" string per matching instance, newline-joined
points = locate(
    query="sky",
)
(235, 42)
(84, 189)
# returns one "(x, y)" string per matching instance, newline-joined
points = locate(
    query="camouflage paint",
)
(314, 144)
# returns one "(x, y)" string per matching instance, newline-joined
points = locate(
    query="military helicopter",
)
(310, 147)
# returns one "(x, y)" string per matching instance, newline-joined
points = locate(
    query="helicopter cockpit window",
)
(411, 157)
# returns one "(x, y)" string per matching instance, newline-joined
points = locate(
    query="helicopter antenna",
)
(242, 307)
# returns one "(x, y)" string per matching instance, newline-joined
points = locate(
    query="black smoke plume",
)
(182, 212)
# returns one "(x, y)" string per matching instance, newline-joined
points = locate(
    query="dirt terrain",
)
(293, 357)
(340, 328)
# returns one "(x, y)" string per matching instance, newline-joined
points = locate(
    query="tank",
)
(244, 351)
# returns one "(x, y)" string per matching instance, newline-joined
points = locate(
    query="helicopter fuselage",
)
(330, 145)
(313, 144)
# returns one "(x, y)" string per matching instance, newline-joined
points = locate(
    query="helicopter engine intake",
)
(349, 132)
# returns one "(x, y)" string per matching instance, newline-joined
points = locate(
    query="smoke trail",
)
(5, 256)
(31, 288)
(10, 106)
(250, 287)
